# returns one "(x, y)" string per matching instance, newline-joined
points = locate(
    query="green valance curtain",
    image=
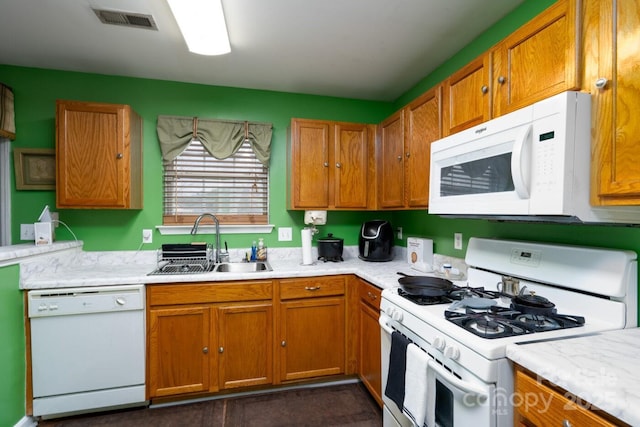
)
(221, 138)
(7, 113)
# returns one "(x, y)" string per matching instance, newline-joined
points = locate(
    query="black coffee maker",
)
(376, 241)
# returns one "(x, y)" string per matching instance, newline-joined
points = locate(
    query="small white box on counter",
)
(420, 253)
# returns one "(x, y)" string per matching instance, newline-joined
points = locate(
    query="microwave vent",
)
(136, 20)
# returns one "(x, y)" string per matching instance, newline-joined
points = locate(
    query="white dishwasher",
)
(87, 348)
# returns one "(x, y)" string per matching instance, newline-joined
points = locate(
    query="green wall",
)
(12, 350)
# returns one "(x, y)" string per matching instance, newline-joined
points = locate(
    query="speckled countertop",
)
(74, 267)
(601, 369)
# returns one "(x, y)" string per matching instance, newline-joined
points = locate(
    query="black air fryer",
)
(376, 241)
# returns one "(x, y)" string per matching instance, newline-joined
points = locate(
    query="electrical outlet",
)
(27, 232)
(285, 234)
(147, 235)
(457, 240)
(399, 231)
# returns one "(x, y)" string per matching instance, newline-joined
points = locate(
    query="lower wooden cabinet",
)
(541, 405)
(312, 327)
(369, 363)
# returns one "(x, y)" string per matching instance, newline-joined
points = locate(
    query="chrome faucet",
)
(194, 231)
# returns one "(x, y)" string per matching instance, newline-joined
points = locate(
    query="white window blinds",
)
(235, 189)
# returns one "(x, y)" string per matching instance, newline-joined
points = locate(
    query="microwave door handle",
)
(521, 163)
(461, 389)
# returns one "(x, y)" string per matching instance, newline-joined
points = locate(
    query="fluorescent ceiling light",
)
(202, 25)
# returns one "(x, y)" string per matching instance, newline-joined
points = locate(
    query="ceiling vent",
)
(137, 20)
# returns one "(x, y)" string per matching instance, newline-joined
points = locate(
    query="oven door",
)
(459, 401)
(482, 175)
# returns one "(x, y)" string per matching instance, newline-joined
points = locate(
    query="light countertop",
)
(601, 369)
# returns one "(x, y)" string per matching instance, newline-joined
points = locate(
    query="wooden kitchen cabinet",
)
(98, 156)
(538, 60)
(178, 350)
(329, 165)
(206, 337)
(311, 330)
(611, 76)
(369, 357)
(404, 152)
(544, 405)
(466, 99)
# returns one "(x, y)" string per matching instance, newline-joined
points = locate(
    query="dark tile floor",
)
(335, 405)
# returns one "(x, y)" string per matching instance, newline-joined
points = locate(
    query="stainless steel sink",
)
(243, 267)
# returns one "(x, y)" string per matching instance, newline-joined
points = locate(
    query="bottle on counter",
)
(254, 251)
(262, 250)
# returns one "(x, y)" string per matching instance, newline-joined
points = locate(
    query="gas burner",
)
(425, 300)
(460, 292)
(456, 293)
(539, 323)
(331, 258)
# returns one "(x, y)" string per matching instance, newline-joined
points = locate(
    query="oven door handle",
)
(383, 325)
(468, 390)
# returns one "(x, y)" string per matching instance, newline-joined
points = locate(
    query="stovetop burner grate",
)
(456, 293)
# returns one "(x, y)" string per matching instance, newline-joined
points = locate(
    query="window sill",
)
(211, 229)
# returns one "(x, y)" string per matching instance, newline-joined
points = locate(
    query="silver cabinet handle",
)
(312, 288)
(484, 89)
(205, 350)
(566, 423)
(408, 154)
(119, 156)
(283, 343)
(338, 165)
(601, 83)
(501, 79)
(221, 350)
(371, 296)
(325, 164)
(399, 157)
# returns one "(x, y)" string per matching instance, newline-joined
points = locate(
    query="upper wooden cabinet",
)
(466, 99)
(404, 152)
(329, 165)
(538, 60)
(98, 155)
(611, 75)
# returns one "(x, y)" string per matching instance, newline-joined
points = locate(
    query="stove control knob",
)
(390, 311)
(452, 352)
(439, 343)
(397, 316)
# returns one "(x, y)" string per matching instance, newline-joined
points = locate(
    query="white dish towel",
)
(420, 388)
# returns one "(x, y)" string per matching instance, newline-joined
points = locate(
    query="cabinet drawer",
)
(369, 294)
(544, 406)
(311, 287)
(211, 292)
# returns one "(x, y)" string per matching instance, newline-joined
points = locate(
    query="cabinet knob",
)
(325, 164)
(205, 350)
(484, 89)
(221, 350)
(338, 165)
(601, 83)
(566, 423)
(371, 296)
(408, 154)
(283, 343)
(119, 156)
(399, 157)
(312, 288)
(501, 80)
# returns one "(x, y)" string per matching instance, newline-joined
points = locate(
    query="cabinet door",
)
(309, 164)
(312, 338)
(351, 165)
(466, 97)
(369, 350)
(245, 345)
(537, 60)
(391, 162)
(616, 131)
(178, 350)
(422, 127)
(95, 156)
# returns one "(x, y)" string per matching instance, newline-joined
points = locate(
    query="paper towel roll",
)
(306, 246)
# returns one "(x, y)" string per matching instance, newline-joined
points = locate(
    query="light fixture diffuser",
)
(202, 25)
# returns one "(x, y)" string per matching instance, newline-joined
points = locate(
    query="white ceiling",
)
(366, 49)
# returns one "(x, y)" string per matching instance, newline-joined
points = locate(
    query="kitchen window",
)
(235, 189)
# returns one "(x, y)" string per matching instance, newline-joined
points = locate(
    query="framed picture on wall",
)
(35, 168)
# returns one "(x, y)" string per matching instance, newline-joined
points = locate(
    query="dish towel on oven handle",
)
(395, 388)
(420, 388)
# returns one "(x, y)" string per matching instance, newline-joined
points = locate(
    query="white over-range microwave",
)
(532, 164)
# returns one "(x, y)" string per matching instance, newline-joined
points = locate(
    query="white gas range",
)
(572, 291)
